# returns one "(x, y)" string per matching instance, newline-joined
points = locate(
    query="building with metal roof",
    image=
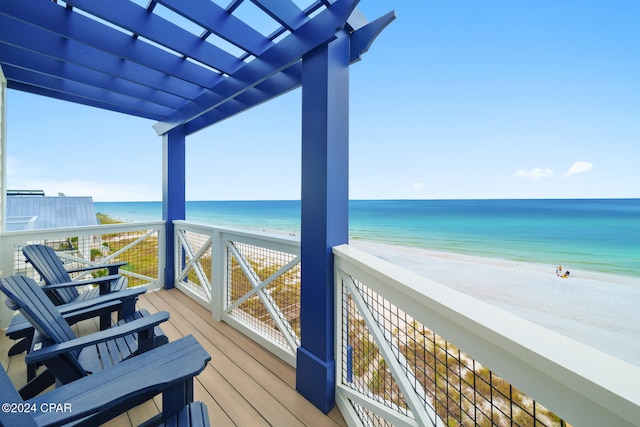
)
(40, 212)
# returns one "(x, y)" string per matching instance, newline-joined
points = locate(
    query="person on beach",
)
(559, 272)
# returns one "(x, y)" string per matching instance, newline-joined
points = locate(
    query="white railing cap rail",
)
(42, 233)
(244, 235)
(579, 383)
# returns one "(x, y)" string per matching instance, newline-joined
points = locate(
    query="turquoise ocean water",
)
(592, 234)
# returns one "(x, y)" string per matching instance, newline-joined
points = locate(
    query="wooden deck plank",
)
(284, 389)
(235, 409)
(241, 343)
(274, 376)
(230, 374)
(216, 412)
(142, 413)
(244, 384)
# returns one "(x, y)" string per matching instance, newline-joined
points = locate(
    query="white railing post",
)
(162, 253)
(219, 282)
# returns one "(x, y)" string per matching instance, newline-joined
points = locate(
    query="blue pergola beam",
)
(13, 56)
(320, 30)
(218, 21)
(93, 55)
(278, 84)
(85, 92)
(38, 40)
(283, 82)
(363, 37)
(74, 26)
(130, 16)
(42, 91)
(285, 12)
(287, 80)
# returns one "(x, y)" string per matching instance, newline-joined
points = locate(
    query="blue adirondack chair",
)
(123, 302)
(168, 370)
(67, 357)
(22, 330)
(46, 262)
(62, 291)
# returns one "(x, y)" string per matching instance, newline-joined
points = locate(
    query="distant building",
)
(31, 210)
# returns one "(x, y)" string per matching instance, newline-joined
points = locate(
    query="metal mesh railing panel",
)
(276, 302)
(139, 252)
(459, 389)
(196, 257)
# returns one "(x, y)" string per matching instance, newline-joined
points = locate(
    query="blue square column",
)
(324, 212)
(173, 193)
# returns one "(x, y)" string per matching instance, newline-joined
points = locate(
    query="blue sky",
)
(455, 99)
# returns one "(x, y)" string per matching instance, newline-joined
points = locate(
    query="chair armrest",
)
(106, 394)
(11, 304)
(76, 311)
(119, 296)
(113, 267)
(73, 317)
(92, 281)
(138, 325)
(20, 325)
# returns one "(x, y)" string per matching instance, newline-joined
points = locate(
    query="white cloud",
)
(534, 174)
(577, 168)
(415, 187)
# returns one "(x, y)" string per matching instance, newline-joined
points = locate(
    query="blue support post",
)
(173, 193)
(324, 212)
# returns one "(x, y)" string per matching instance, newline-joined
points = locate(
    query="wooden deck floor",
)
(243, 385)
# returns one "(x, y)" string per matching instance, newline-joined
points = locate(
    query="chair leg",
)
(37, 385)
(128, 308)
(176, 397)
(105, 322)
(31, 371)
(19, 347)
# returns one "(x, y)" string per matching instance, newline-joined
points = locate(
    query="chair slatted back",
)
(34, 304)
(46, 262)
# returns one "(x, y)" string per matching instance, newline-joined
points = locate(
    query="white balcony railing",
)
(408, 350)
(140, 244)
(249, 280)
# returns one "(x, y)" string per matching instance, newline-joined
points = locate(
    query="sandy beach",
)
(597, 309)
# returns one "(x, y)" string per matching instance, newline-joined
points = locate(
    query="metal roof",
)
(191, 63)
(39, 212)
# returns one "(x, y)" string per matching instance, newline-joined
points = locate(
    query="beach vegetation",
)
(68, 244)
(95, 253)
(106, 219)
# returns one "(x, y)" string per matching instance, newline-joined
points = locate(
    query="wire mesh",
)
(259, 290)
(199, 273)
(139, 252)
(458, 388)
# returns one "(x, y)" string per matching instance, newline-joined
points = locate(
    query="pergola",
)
(189, 64)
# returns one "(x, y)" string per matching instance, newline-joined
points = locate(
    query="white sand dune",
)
(600, 310)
